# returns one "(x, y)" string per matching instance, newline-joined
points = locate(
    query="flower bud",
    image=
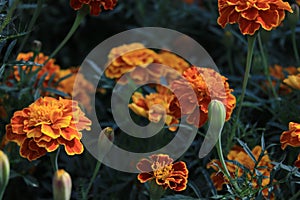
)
(216, 117)
(293, 18)
(62, 185)
(105, 142)
(4, 172)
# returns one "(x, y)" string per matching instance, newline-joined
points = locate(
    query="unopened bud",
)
(105, 142)
(216, 118)
(62, 185)
(4, 172)
(36, 46)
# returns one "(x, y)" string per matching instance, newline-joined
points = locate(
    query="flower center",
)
(161, 171)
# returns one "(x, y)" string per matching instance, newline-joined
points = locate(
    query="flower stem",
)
(96, 170)
(80, 15)
(265, 63)
(54, 158)
(155, 191)
(225, 170)
(251, 43)
(295, 45)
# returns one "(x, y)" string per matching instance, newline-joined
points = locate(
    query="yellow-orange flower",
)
(134, 59)
(155, 106)
(50, 67)
(291, 137)
(238, 154)
(298, 2)
(46, 124)
(95, 5)
(293, 80)
(207, 84)
(297, 162)
(252, 14)
(66, 85)
(161, 168)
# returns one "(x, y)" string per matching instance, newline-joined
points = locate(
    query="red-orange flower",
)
(95, 5)
(161, 168)
(46, 124)
(291, 137)
(155, 106)
(50, 67)
(252, 14)
(238, 154)
(207, 84)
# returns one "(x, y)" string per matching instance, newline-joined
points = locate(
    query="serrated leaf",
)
(247, 150)
(52, 90)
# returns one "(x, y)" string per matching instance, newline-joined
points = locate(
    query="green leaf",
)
(31, 181)
(8, 51)
(52, 90)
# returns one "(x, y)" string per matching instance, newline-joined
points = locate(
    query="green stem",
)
(96, 170)
(295, 45)
(2, 190)
(8, 17)
(265, 63)
(80, 15)
(36, 13)
(155, 191)
(54, 158)
(251, 43)
(225, 170)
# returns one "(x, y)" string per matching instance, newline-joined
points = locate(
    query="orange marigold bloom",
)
(279, 73)
(133, 58)
(95, 5)
(291, 137)
(50, 67)
(252, 14)
(207, 84)
(166, 173)
(155, 106)
(238, 154)
(297, 162)
(66, 85)
(46, 124)
(293, 80)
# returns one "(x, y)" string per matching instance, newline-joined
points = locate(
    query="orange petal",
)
(71, 147)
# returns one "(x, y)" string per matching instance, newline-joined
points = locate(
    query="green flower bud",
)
(62, 185)
(4, 172)
(216, 118)
(105, 142)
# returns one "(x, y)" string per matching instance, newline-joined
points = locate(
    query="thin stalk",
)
(96, 170)
(295, 45)
(225, 170)
(54, 158)
(9, 15)
(36, 13)
(80, 15)
(265, 63)
(251, 43)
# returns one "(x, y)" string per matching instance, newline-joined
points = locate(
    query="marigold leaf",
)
(8, 51)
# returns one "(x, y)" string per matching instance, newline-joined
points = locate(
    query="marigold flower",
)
(207, 84)
(155, 106)
(297, 162)
(46, 124)
(50, 67)
(134, 59)
(238, 154)
(66, 86)
(166, 173)
(291, 137)
(95, 5)
(293, 81)
(252, 14)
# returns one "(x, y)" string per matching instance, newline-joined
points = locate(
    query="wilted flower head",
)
(161, 168)
(46, 124)
(61, 185)
(207, 84)
(291, 137)
(95, 5)
(252, 14)
(238, 154)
